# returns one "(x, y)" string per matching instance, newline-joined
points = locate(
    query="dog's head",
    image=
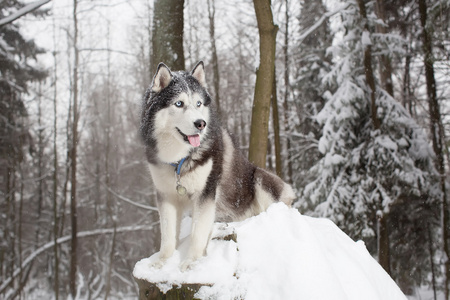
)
(175, 116)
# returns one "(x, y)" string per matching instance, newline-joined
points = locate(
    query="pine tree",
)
(15, 75)
(367, 170)
(313, 63)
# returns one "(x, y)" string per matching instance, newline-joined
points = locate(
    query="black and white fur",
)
(221, 184)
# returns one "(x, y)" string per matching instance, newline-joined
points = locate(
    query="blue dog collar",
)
(178, 165)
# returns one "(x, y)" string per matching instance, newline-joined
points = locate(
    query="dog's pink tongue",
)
(194, 140)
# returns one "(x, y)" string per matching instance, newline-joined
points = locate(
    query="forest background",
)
(359, 125)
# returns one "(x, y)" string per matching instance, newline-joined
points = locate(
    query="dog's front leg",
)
(202, 222)
(169, 213)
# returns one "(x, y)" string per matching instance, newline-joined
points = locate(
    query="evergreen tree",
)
(366, 171)
(15, 75)
(313, 64)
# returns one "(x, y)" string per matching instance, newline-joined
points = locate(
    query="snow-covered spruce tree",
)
(367, 170)
(16, 73)
(312, 63)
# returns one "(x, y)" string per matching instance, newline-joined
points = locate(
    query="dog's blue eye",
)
(179, 104)
(199, 103)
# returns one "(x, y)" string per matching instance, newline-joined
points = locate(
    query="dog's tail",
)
(287, 195)
(270, 188)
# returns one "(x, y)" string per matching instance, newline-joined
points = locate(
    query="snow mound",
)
(279, 254)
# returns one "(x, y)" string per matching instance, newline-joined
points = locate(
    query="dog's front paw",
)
(187, 264)
(161, 261)
(158, 264)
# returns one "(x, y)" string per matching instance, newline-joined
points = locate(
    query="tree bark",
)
(73, 180)
(286, 93)
(437, 135)
(215, 60)
(383, 242)
(368, 70)
(264, 80)
(20, 235)
(430, 249)
(276, 128)
(111, 263)
(385, 61)
(55, 167)
(167, 36)
(40, 164)
(407, 95)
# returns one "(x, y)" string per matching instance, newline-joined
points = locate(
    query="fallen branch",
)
(67, 238)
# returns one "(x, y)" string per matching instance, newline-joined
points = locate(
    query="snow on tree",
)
(365, 171)
(22, 11)
(15, 75)
(312, 64)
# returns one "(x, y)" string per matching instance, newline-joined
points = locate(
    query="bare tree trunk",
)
(109, 202)
(111, 262)
(286, 93)
(73, 190)
(385, 61)
(167, 35)
(20, 249)
(107, 132)
(62, 218)
(383, 242)
(264, 81)
(215, 60)
(407, 95)
(150, 38)
(370, 78)
(430, 248)
(276, 127)
(10, 231)
(437, 137)
(40, 154)
(55, 168)
(67, 163)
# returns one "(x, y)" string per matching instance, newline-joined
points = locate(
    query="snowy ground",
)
(279, 254)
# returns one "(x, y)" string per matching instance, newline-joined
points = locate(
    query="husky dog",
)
(195, 164)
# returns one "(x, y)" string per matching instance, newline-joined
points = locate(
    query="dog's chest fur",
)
(165, 178)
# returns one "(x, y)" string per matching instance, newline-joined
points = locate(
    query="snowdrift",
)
(279, 254)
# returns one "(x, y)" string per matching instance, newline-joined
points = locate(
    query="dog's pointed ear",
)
(199, 73)
(162, 78)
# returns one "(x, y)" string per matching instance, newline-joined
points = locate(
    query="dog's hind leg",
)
(169, 213)
(202, 222)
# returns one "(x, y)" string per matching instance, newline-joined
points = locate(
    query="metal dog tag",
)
(181, 190)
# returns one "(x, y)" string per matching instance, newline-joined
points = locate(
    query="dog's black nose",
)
(200, 124)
